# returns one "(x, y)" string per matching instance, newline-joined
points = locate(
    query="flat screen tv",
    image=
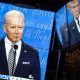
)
(37, 30)
(67, 26)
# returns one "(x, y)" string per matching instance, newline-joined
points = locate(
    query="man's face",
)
(74, 7)
(14, 28)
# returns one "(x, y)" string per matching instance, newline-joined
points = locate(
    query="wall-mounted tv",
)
(67, 19)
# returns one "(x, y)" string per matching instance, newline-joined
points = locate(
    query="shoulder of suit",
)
(1, 40)
(28, 47)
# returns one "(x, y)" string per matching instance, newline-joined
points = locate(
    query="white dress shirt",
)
(78, 27)
(8, 47)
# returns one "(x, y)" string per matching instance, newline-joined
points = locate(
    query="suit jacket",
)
(28, 63)
(70, 34)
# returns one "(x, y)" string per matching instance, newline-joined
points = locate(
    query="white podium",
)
(7, 77)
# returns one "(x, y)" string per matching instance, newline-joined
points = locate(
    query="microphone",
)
(15, 47)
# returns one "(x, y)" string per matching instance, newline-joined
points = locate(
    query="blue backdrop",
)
(37, 32)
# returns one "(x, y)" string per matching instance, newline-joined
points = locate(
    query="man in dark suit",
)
(27, 63)
(70, 32)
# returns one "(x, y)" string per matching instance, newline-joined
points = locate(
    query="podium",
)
(69, 67)
(7, 77)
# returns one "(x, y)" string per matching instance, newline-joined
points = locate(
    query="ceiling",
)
(50, 5)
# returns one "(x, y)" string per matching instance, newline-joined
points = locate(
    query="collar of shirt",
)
(78, 27)
(8, 44)
(7, 41)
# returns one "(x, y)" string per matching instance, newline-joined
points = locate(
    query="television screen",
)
(68, 24)
(37, 30)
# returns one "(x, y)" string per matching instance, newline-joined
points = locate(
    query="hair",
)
(71, 2)
(11, 13)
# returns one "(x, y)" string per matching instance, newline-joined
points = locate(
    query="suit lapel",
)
(75, 35)
(74, 28)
